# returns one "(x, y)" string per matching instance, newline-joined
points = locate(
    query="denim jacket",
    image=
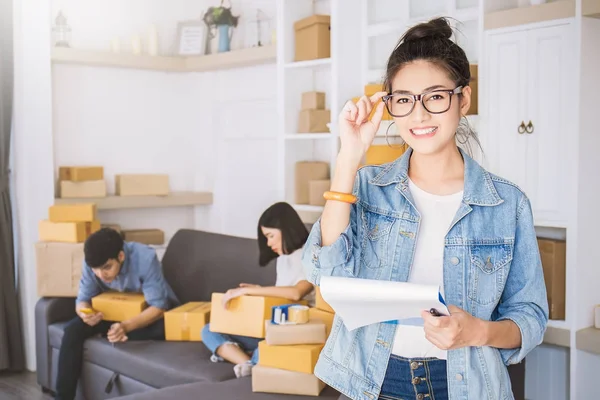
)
(492, 269)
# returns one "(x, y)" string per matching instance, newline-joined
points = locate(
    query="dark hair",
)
(431, 41)
(101, 246)
(294, 234)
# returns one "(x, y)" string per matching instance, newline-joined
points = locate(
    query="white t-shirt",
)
(290, 271)
(437, 213)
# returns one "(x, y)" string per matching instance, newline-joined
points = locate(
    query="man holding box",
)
(113, 265)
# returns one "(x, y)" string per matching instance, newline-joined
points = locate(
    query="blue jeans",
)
(415, 378)
(214, 340)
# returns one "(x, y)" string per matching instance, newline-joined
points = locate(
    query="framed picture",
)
(191, 38)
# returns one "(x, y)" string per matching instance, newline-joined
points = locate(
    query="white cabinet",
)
(530, 113)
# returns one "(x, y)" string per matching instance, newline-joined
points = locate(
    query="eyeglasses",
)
(435, 102)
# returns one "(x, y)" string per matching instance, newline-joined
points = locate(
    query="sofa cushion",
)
(235, 389)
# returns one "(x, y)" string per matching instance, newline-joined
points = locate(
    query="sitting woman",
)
(281, 235)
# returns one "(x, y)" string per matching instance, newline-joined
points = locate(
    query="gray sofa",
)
(196, 264)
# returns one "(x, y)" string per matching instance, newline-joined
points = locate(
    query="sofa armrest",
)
(49, 310)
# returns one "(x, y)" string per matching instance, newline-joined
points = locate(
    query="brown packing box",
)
(146, 236)
(386, 114)
(142, 185)
(307, 171)
(313, 121)
(553, 255)
(116, 227)
(474, 84)
(69, 232)
(320, 303)
(58, 268)
(185, 322)
(87, 189)
(274, 380)
(82, 212)
(312, 332)
(299, 358)
(116, 306)
(245, 315)
(382, 154)
(325, 316)
(316, 190)
(313, 101)
(81, 174)
(313, 38)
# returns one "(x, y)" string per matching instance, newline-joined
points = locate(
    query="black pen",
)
(434, 312)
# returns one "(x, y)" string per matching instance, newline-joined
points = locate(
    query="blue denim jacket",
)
(140, 273)
(492, 269)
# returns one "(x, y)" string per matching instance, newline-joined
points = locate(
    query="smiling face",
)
(274, 241)
(426, 132)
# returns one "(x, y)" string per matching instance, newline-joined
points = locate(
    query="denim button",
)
(416, 380)
(420, 396)
(414, 365)
(454, 260)
(459, 377)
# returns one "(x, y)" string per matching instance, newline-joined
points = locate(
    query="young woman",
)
(433, 216)
(281, 235)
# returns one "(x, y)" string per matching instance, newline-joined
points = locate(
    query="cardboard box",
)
(142, 185)
(305, 172)
(312, 332)
(597, 317)
(313, 38)
(315, 191)
(185, 322)
(382, 154)
(115, 227)
(553, 255)
(81, 174)
(325, 316)
(117, 306)
(386, 114)
(146, 236)
(313, 121)
(245, 316)
(58, 268)
(474, 84)
(82, 212)
(299, 358)
(313, 101)
(68, 232)
(320, 303)
(273, 380)
(87, 189)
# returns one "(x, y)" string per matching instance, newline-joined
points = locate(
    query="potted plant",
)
(222, 20)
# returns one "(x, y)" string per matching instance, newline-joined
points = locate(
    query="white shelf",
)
(590, 8)
(527, 15)
(308, 136)
(320, 62)
(308, 207)
(231, 59)
(175, 199)
(588, 339)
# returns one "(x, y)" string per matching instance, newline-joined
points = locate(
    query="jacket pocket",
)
(376, 230)
(488, 270)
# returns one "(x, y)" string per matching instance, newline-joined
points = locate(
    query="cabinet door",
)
(506, 99)
(549, 109)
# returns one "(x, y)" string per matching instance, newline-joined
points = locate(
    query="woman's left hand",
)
(459, 329)
(232, 294)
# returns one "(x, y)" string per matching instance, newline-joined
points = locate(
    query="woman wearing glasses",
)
(434, 216)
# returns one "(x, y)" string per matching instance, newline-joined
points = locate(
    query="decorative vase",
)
(224, 34)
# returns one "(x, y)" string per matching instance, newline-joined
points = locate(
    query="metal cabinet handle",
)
(522, 128)
(529, 128)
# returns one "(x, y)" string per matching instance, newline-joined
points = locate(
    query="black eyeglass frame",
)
(419, 97)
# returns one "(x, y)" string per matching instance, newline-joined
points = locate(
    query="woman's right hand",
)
(356, 130)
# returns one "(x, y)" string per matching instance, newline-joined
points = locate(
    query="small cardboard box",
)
(81, 174)
(87, 189)
(313, 38)
(82, 212)
(117, 306)
(315, 191)
(58, 268)
(274, 380)
(313, 121)
(142, 185)
(325, 316)
(68, 232)
(299, 358)
(185, 322)
(146, 236)
(474, 84)
(307, 171)
(553, 255)
(381, 154)
(312, 332)
(245, 315)
(313, 101)
(320, 303)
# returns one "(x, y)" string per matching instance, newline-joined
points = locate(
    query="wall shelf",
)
(557, 336)
(590, 8)
(319, 62)
(528, 15)
(213, 62)
(588, 339)
(175, 199)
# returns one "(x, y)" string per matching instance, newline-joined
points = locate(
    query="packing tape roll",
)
(298, 314)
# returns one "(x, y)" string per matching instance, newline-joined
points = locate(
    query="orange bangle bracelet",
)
(345, 197)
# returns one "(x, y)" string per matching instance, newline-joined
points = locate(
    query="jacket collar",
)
(478, 190)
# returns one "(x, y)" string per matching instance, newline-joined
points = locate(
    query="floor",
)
(21, 386)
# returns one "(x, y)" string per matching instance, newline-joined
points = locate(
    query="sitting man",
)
(113, 265)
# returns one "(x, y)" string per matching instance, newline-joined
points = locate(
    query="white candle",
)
(153, 41)
(115, 45)
(136, 44)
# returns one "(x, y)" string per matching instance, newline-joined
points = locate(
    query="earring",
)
(465, 132)
(387, 140)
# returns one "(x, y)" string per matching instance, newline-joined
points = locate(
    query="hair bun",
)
(438, 28)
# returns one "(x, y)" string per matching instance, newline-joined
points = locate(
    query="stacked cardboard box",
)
(307, 171)
(185, 322)
(322, 311)
(146, 236)
(142, 185)
(81, 182)
(314, 116)
(119, 306)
